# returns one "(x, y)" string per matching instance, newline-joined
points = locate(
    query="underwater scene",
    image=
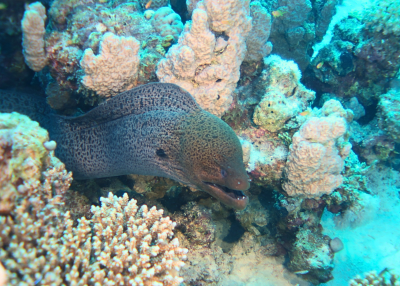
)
(200, 142)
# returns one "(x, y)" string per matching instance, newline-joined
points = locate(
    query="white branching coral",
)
(387, 277)
(115, 69)
(135, 245)
(128, 246)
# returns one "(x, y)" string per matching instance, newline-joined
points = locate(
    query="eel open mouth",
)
(234, 194)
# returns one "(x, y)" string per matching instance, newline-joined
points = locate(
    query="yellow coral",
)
(22, 154)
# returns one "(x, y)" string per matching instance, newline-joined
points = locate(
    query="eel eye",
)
(160, 153)
(223, 173)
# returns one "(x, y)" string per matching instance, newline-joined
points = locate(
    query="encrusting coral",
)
(121, 244)
(23, 156)
(389, 114)
(284, 97)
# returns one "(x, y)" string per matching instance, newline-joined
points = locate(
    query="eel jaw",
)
(233, 198)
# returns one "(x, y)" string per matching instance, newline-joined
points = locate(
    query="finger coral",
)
(33, 36)
(115, 69)
(206, 61)
(129, 246)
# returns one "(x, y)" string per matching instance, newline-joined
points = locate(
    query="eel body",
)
(154, 129)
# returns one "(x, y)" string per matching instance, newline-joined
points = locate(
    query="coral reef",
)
(389, 114)
(196, 224)
(167, 23)
(264, 155)
(386, 277)
(121, 243)
(257, 41)
(360, 59)
(383, 17)
(129, 245)
(33, 30)
(206, 61)
(351, 103)
(317, 153)
(347, 196)
(23, 157)
(154, 4)
(311, 256)
(296, 24)
(115, 69)
(371, 142)
(13, 69)
(284, 97)
(78, 41)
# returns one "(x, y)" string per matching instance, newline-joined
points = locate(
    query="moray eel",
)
(155, 129)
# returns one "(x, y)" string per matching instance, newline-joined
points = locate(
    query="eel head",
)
(213, 157)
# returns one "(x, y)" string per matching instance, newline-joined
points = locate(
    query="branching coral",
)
(387, 277)
(129, 246)
(39, 245)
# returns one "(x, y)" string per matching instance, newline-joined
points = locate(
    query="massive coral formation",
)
(115, 69)
(257, 41)
(33, 30)
(317, 153)
(209, 53)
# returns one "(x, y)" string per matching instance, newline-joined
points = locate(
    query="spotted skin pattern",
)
(155, 129)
